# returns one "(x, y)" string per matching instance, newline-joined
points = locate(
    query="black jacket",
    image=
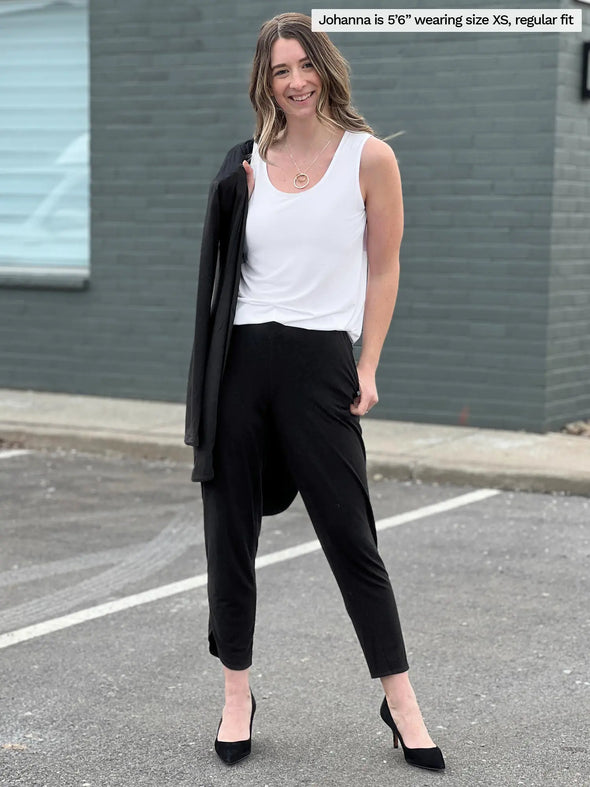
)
(222, 254)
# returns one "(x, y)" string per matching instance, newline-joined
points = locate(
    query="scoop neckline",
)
(303, 191)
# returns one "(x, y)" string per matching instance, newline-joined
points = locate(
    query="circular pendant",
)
(300, 180)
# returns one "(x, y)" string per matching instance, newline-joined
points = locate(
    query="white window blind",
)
(44, 160)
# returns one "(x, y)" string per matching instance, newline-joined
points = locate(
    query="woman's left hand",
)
(368, 388)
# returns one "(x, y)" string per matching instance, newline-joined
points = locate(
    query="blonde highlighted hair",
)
(332, 68)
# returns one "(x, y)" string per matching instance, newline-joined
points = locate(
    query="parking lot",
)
(107, 680)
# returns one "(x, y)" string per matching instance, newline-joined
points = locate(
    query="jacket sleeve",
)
(208, 281)
(207, 277)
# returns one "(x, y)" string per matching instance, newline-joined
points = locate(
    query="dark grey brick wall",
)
(470, 340)
(468, 334)
(568, 329)
(129, 333)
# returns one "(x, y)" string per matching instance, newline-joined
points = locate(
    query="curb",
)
(379, 465)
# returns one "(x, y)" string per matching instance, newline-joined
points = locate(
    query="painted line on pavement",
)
(140, 564)
(10, 452)
(164, 591)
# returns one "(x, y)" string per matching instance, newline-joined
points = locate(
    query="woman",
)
(324, 227)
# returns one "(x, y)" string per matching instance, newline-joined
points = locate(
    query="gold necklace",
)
(301, 179)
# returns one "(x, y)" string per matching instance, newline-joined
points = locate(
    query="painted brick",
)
(492, 312)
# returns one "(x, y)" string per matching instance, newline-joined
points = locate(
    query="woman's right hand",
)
(249, 176)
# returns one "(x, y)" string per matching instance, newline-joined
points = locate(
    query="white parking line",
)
(164, 591)
(10, 452)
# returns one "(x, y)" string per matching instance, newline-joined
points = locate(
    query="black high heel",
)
(234, 751)
(430, 758)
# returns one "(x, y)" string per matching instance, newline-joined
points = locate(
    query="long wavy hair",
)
(332, 67)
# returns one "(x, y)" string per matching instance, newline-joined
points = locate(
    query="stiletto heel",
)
(234, 751)
(430, 757)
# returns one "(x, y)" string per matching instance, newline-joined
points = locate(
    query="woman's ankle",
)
(237, 686)
(399, 690)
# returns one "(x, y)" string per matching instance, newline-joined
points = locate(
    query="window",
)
(44, 141)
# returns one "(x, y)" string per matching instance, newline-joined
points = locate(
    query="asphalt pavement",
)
(106, 680)
(491, 603)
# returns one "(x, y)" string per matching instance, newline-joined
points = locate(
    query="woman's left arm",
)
(380, 177)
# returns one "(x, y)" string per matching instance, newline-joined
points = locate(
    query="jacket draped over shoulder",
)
(222, 254)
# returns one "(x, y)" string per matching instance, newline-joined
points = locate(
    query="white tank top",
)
(306, 257)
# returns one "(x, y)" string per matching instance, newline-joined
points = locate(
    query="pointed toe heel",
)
(234, 751)
(430, 758)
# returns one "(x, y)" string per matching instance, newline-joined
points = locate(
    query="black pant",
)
(304, 380)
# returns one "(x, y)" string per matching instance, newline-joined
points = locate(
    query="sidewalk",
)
(552, 462)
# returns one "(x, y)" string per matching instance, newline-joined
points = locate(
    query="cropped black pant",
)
(304, 380)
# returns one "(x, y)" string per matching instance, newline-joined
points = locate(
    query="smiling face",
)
(295, 83)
